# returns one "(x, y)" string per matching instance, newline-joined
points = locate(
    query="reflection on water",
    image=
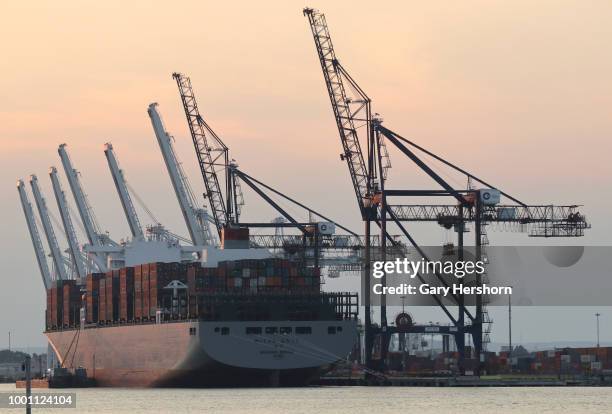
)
(353, 400)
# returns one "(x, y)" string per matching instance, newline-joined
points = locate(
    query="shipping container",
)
(71, 303)
(153, 281)
(57, 304)
(92, 285)
(126, 294)
(160, 298)
(138, 293)
(235, 238)
(112, 296)
(145, 292)
(102, 300)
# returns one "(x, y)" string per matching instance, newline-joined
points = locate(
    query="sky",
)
(519, 93)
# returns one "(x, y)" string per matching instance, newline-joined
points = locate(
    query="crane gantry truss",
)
(368, 172)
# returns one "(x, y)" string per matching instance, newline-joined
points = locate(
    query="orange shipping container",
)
(93, 294)
(138, 292)
(145, 292)
(72, 303)
(126, 294)
(102, 301)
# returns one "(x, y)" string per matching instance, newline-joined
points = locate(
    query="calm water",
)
(353, 400)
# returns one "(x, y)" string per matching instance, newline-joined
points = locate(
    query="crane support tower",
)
(479, 207)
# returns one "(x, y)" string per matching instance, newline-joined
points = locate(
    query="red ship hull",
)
(174, 355)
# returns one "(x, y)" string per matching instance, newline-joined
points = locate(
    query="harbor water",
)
(353, 400)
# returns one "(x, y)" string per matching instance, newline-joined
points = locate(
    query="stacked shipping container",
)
(72, 303)
(112, 296)
(145, 292)
(56, 304)
(276, 275)
(92, 284)
(63, 304)
(126, 294)
(137, 293)
(102, 300)
(159, 276)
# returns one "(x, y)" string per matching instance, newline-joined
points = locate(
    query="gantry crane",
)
(73, 242)
(124, 194)
(196, 218)
(212, 154)
(353, 114)
(43, 212)
(39, 250)
(213, 157)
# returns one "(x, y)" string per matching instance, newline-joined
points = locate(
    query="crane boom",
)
(206, 142)
(39, 250)
(91, 226)
(56, 253)
(352, 113)
(194, 217)
(124, 194)
(96, 238)
(73, 242)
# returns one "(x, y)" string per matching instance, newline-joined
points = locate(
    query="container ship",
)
(227, 321)
(214, 309)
